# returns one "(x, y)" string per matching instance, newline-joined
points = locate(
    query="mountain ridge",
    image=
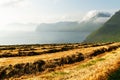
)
(109, 32)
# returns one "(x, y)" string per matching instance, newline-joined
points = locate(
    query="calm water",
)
(7, 38)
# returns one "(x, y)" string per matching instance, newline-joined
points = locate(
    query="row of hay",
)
(101, 44)
(40, 65)
(102, 50)
(20, 53)
(33, 53)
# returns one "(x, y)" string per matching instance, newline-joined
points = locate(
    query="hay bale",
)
(38, 64)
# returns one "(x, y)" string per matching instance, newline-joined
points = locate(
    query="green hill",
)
(109, 32)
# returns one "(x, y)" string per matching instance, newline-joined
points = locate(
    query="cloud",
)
(10, 2)
(94, 15)
(20, 27)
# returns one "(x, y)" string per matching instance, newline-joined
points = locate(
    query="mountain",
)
(73, 31)
(109, 32)
(68, 26)
(58, 27)
(90, 22)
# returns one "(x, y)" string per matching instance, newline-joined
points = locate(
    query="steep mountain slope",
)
(109, 32)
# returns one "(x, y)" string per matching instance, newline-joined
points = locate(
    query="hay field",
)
(76, 61)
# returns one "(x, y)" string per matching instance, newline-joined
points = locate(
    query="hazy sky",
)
(38, 11)
(26, 15)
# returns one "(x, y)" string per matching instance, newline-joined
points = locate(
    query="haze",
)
(20, 19)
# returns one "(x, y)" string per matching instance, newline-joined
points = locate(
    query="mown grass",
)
(59, 73)
(41, 65)
(115, 75)
(90, 63)
(55, 74)
(63, 73)
(33, 50)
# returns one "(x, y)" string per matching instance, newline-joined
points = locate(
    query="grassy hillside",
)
(109, 32)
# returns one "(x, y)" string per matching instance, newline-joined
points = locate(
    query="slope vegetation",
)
(110, 31)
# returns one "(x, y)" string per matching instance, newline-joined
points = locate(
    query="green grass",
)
(54, 74)
(62, 73)
(59, 73)
(115, 75)
(90, 63)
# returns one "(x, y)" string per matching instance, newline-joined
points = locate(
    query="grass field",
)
(78, 61)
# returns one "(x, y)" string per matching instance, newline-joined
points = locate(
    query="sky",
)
(26, 15)
(39, 11)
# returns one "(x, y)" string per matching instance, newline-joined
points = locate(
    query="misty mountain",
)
(109, 32)
(91, 22)
(60, 32)
(58, 27)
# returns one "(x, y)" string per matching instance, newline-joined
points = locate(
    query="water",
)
(11, 38)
